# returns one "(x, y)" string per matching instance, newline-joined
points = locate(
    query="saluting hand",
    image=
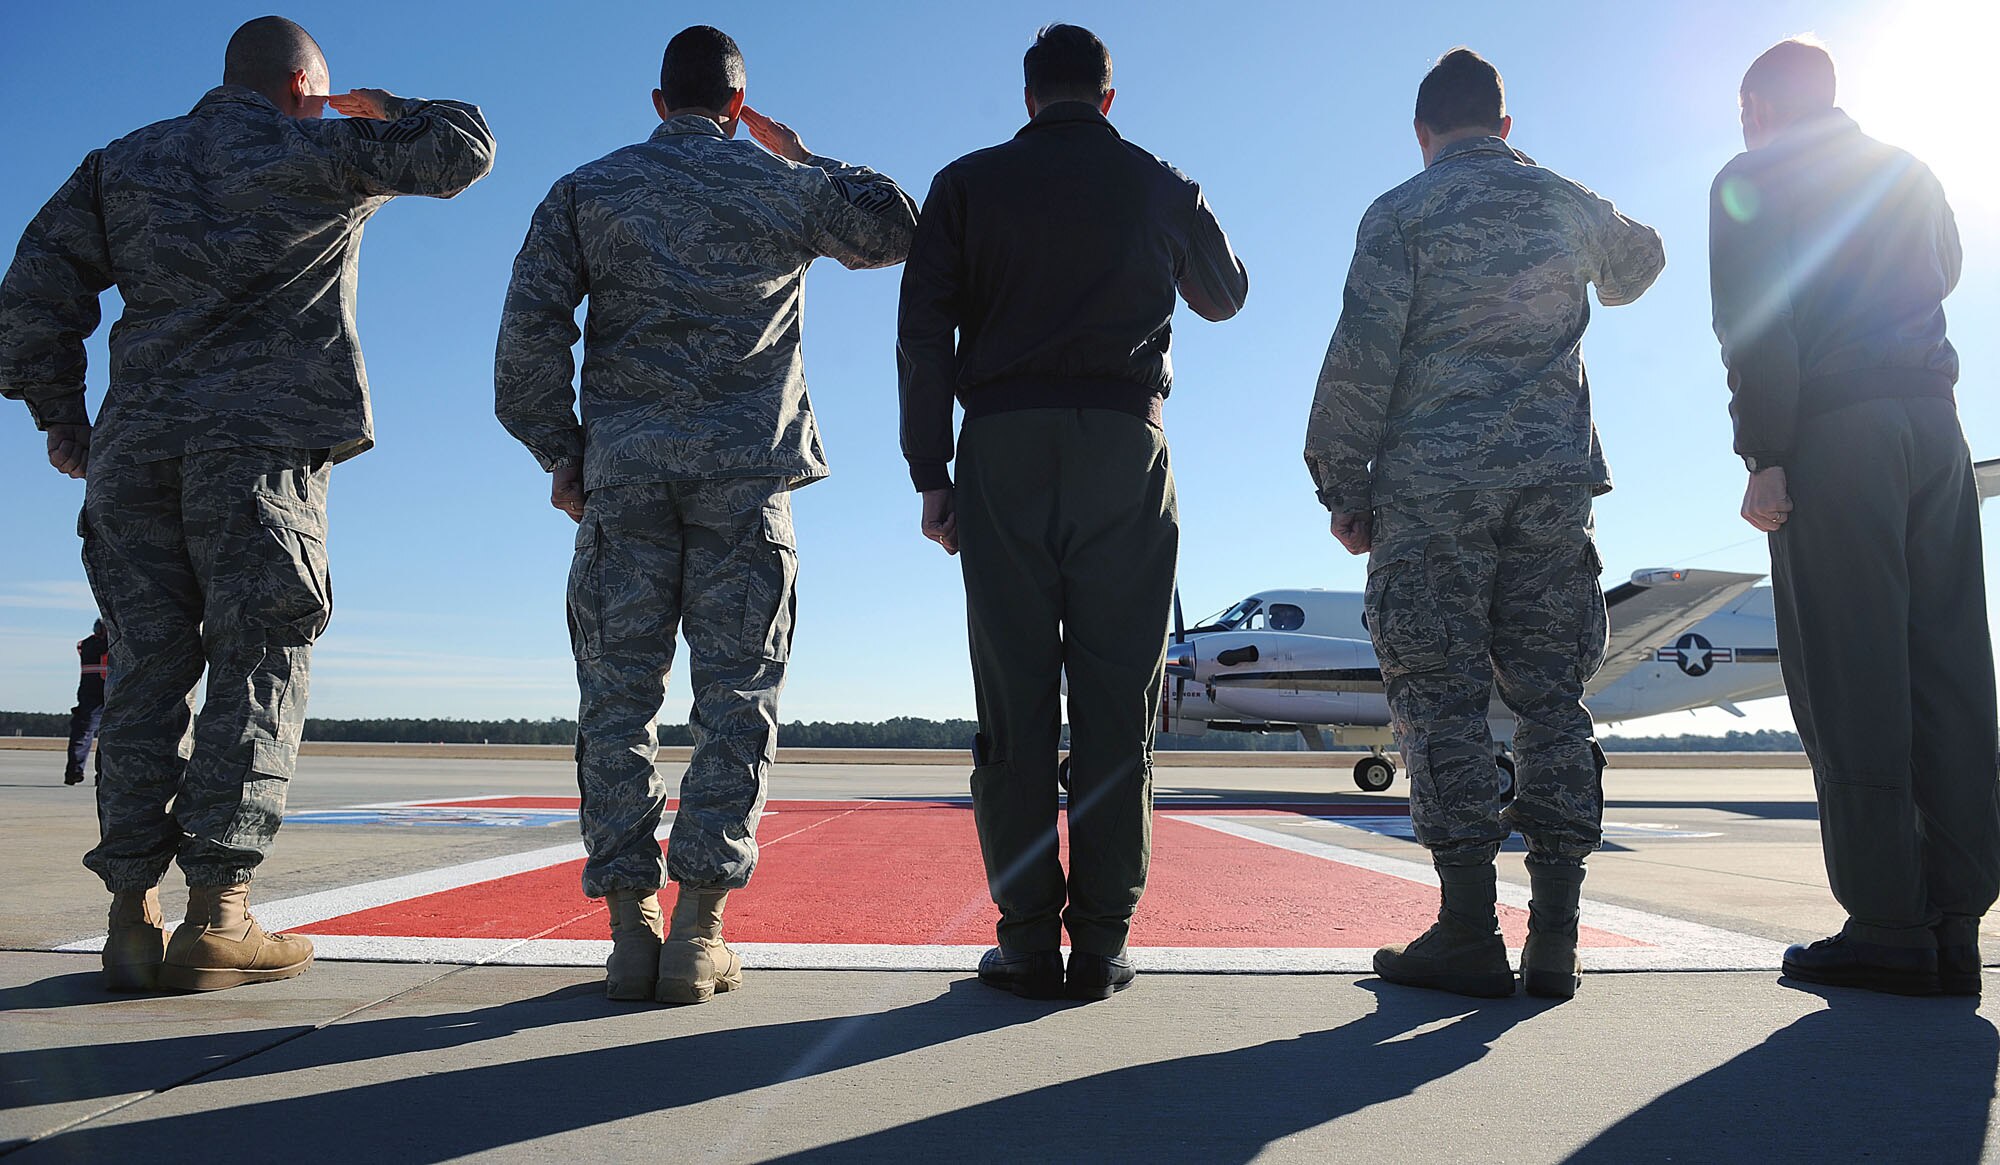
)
(372, 104)
(69, 448)
(566, 491)
(940, 520)
(1767, 502)
(1355, 531)
(774, 136)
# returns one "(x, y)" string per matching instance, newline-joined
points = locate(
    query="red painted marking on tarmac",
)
(498, 803)
(909, 873)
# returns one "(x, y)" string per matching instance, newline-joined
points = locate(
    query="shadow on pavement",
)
(1869, 1077)
(1766, 810)
(1224, 1107)
(99, 1071)
(77, 989)
(435, 1115)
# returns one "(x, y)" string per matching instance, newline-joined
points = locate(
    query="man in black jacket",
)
(1830, 256)
(1040, 293)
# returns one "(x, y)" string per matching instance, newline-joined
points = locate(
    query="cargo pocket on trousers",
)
(261, 807)
(770, 601)
(585, 597)
(1594, 630)
(299, 583)
(1403, 617)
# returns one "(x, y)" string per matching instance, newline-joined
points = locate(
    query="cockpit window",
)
(1230, 620)
(1286, 617)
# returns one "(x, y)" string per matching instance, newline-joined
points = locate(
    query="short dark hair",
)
(1462, 91)
(1067, 63)
(265, 52)
(1794, 76)
(701, 69)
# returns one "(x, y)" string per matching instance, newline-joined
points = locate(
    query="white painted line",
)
(1674, 944)
(824, 956)
(305, 909)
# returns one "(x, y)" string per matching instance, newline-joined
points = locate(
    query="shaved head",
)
(267, 52)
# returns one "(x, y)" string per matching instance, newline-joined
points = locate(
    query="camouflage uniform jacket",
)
(233, 235)
(692, 249)
(1457, 361)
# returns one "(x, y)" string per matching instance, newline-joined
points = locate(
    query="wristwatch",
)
(1759, 462)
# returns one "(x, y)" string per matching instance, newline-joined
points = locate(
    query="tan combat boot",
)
(134, 940)
(1549, 966)
(634, 965)
(1463, 952)
(694, 961)
(220, 945)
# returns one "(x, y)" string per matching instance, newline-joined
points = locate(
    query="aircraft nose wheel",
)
(1372, 774)
(1506, 766)
(1062, 775)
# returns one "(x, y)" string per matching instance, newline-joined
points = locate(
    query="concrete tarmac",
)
(425, 1062)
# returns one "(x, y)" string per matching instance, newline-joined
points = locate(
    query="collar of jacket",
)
(1483, 144)
(1068, 113)
(1827, 123)
(681, 123)
(233, 95)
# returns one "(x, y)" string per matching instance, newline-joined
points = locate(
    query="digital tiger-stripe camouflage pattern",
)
(233, 235)
(692, 249)
(1457, 362)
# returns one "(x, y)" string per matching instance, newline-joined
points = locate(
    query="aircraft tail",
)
(1987, 475)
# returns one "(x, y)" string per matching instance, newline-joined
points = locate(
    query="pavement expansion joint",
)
(211, 1069)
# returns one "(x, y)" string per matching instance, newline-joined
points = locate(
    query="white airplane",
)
(1301, 661)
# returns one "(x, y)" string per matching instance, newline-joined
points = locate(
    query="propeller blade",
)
(1180, 627)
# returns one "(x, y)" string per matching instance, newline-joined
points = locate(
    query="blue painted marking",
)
(436, 815)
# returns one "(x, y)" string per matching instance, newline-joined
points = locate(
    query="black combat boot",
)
(1549, 966)
(1463, 953)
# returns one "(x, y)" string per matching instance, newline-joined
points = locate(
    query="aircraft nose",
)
(1180, 660)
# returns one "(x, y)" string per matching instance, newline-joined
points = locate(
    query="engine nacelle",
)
(1276, 654)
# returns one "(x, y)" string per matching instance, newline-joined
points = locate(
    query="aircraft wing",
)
(1987, 475)
(1658, 605)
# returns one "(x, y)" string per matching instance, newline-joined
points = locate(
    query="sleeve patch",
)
(873, 199)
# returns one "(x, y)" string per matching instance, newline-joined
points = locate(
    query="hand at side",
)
(940, 519)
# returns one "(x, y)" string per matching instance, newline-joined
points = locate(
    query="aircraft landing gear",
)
(1372, 774)
(1506, 766)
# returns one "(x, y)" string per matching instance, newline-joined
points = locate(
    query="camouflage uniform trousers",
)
(715, 559)
(214, 560)
(1473, 586)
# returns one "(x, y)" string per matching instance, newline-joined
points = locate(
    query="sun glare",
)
(1922, 81)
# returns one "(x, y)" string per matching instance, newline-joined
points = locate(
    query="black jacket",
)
(1054, 259)
(1830, 255)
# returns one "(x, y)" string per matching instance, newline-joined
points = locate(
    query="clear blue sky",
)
(449, 563)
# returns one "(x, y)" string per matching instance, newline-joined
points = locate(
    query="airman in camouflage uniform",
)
(233, 235)
(692, 249)
(1451, 438)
